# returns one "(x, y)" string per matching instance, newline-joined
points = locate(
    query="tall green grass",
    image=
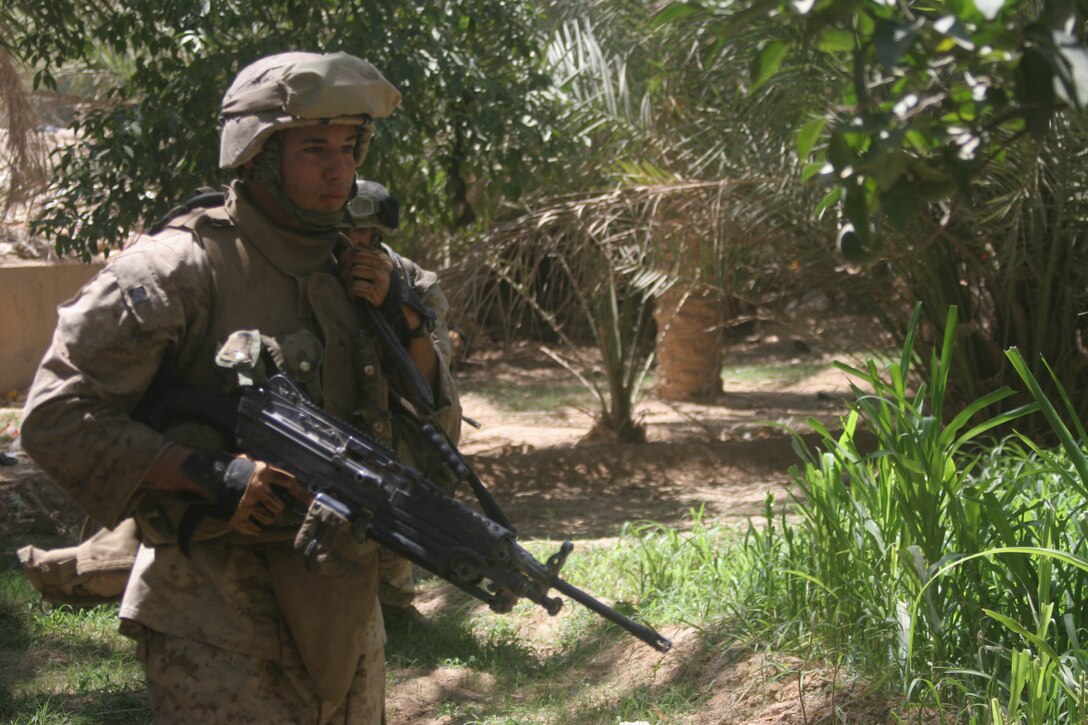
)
(928, 549)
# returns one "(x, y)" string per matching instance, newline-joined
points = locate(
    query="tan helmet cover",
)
(300, 89)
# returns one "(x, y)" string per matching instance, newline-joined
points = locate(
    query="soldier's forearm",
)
(166, 473)
(421, 350)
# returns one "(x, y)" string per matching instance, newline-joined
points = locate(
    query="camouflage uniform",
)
(241, 620)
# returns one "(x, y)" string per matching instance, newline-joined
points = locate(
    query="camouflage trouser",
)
(189, 682)
(396, 585)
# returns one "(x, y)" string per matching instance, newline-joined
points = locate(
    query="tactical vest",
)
(265, 321)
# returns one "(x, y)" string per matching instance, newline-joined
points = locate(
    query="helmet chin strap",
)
(266, 171)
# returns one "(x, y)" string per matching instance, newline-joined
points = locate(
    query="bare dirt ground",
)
(724, 455)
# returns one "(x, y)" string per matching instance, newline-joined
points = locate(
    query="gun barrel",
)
(646, 634)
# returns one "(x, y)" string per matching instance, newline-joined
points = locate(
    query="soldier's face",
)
(318, 167)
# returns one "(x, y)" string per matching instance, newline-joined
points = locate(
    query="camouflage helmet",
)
(300, 89)
(373, 208)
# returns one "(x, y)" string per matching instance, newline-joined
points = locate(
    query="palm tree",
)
(603, 268)
(691, 210)
(1010, 259)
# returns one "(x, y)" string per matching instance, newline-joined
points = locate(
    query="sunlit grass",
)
(63, 665)
(542, 398)
(565, 669)
(782, 374)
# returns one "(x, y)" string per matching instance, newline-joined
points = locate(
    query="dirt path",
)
(724, 455)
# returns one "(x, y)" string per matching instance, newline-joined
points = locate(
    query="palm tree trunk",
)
(689, 343)
(22, 151)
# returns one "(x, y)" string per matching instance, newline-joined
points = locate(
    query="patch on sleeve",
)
(141, 289)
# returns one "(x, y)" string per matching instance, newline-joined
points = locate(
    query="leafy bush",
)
(471, 72)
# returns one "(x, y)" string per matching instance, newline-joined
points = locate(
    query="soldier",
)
(374, 215)
(231, 625)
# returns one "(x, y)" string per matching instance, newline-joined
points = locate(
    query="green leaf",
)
(808, 171)
(919, 141)
(767, 61)
(835, 40)
(864, 24)
(1032, 639)
(807, 136)
(887, 166)
(673, 12)
(829, 200)
(839, 152)
(1065, 436)
(928, 171)
(965, 10)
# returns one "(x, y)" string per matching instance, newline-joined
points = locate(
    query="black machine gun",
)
(356, 481)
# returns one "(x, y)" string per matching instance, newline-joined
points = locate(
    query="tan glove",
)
(262, 498)
(245, 493)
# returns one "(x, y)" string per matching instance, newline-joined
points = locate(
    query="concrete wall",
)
(29, 296)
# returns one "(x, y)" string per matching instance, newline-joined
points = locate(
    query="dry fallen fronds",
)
(22, 148)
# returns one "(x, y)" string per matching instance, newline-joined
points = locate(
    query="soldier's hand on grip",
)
(245, 493)
(366, 273)
(256, 492)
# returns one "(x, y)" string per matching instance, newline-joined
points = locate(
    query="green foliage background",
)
(475, 111)
(936, 136)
